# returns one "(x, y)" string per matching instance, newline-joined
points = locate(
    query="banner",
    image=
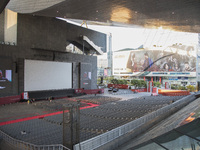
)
(142, 62)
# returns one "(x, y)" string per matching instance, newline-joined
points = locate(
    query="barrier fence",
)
(135, 125)
(119, 86)
(139, 90)
(28, 146)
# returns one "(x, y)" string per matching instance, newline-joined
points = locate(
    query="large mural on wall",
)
(152, 62)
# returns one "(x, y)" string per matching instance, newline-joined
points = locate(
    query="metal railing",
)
(28, 146)
(134, 125)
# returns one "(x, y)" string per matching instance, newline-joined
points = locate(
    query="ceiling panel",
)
(181, 15)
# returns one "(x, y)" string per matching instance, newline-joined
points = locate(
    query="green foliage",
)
(120, 82)
(157, 84)
(191, 88)
(124, 82)
(98, 81)
(110, 79)
(174, 87)
(138, 83)
(114, 81)
(144, 84)
(134, 82)
(182, 88)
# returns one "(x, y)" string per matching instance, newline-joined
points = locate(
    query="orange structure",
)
(173, 92)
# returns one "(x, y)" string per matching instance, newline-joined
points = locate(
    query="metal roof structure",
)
(180, 15)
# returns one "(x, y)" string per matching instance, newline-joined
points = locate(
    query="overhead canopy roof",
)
(3, 5)
(181, 15)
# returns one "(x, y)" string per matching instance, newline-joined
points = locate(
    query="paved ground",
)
(125, 94)
(24, 110)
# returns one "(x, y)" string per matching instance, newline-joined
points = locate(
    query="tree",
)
(98, 80)
(125, 82)
(110, 79)
(157, 84)
(144, 84)
(135, 83)
(182, 88)
(114, 81)
(120, 82)
(140, 83)
(191, 88)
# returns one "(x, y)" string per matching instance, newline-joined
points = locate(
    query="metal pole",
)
(78, 122)
(64, 128)
(71, 126)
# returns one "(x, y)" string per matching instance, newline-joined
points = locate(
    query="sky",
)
(126, 37)
(134, 37)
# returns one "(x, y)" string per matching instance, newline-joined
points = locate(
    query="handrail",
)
(25, 145)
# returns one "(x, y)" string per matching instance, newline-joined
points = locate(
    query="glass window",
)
(149, 146)
(192, 129)
(176, 141)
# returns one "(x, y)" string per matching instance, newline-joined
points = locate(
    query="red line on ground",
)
(17, 116)
(42, 116)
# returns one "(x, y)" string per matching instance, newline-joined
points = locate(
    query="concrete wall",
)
(10, 53)
(18, 54)
(43, 38)
(41, 32)
(2, 15)
(52, 34)
(74, 32)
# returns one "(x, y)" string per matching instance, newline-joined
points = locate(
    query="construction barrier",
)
(119, 86)
(154, 90)
(139, 90)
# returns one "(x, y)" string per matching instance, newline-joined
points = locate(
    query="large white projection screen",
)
(47, 75)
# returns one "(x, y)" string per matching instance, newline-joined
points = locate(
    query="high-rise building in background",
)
(104, 62)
